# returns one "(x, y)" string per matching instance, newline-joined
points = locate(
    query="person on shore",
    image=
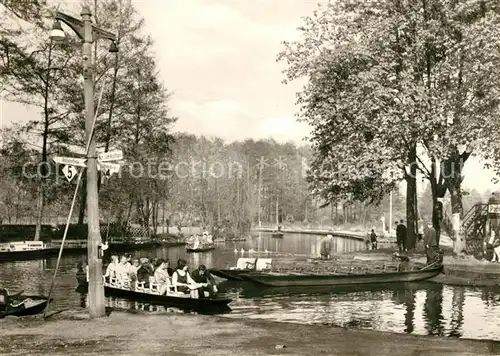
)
(182, 281)
(367, 241)
(326, 247)
(401, 236)
(207, 281)
(494, 241)
(373, 239)
(430, 243)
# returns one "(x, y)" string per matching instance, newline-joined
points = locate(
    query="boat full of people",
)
(153, 281)
(200, 243)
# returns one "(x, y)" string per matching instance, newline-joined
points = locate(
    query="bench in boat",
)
(124, 288)
(243, 265)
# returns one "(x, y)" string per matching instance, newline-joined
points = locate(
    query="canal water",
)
(424, 308)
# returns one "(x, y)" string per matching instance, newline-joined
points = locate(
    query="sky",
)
(218, 58)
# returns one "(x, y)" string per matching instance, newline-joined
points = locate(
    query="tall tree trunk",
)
(411, 188)
(39, 211)
(83, 200)
(45, 136)
(438, 189)
(453, 170)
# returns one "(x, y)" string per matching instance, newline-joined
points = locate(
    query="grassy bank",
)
(72, 333)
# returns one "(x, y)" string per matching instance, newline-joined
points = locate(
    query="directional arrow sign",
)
(108, 168)
(71, 161)
(70, 172)
(111, 156)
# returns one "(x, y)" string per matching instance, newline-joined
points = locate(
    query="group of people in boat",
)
(147, 271)
(200, 240)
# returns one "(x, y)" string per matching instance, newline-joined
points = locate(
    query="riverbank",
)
(341, 233)
(463, 271)
(125, 333)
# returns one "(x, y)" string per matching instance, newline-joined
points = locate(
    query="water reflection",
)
(412, 308)
(457, 311)
(433, 309)
(421, 308)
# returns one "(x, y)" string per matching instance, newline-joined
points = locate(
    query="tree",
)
(384, 78)
(35, 75)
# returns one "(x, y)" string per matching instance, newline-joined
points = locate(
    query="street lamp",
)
(88, 33)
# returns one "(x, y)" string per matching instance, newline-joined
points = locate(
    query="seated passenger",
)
(112, 267)
(207, 281)
(182, 281)
(123, 269)
(145, 271)
(133, 269)
(162, 276)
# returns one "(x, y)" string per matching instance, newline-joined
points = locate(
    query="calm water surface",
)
(419, 308)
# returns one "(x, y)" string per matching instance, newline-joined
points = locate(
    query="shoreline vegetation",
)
(73, 333)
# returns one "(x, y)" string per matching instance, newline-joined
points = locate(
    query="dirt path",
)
(180, 334)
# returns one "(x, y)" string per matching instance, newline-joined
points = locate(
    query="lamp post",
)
(88, 33)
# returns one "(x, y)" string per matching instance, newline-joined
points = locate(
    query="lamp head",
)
(113, 48)
(57, 33)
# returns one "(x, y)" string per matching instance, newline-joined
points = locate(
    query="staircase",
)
(474, 228)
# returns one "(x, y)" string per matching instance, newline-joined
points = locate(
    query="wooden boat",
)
(329, 278)
(20, 305)
(200, 247)
(23, 250)
(243, 265)
(253, 290)
(277, 235)
(180, 300)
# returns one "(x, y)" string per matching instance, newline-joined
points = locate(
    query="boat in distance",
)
(179, 300)
(277, 235)
(21, 305)
(200, 248)
(23, 250)
(297, 279)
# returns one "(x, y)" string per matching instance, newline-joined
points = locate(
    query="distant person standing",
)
(430, 243)
(401, 236)
(373, 239)
(326, 247)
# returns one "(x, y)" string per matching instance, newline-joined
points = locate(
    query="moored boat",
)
(173, 299)
(243, 265)
(20, 305)
(277, 235)
(23, 250)
(343, 277)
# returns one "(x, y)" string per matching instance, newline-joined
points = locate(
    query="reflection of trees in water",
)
(406, 296)
(457, 308)
(490, 296)
(433, 309)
